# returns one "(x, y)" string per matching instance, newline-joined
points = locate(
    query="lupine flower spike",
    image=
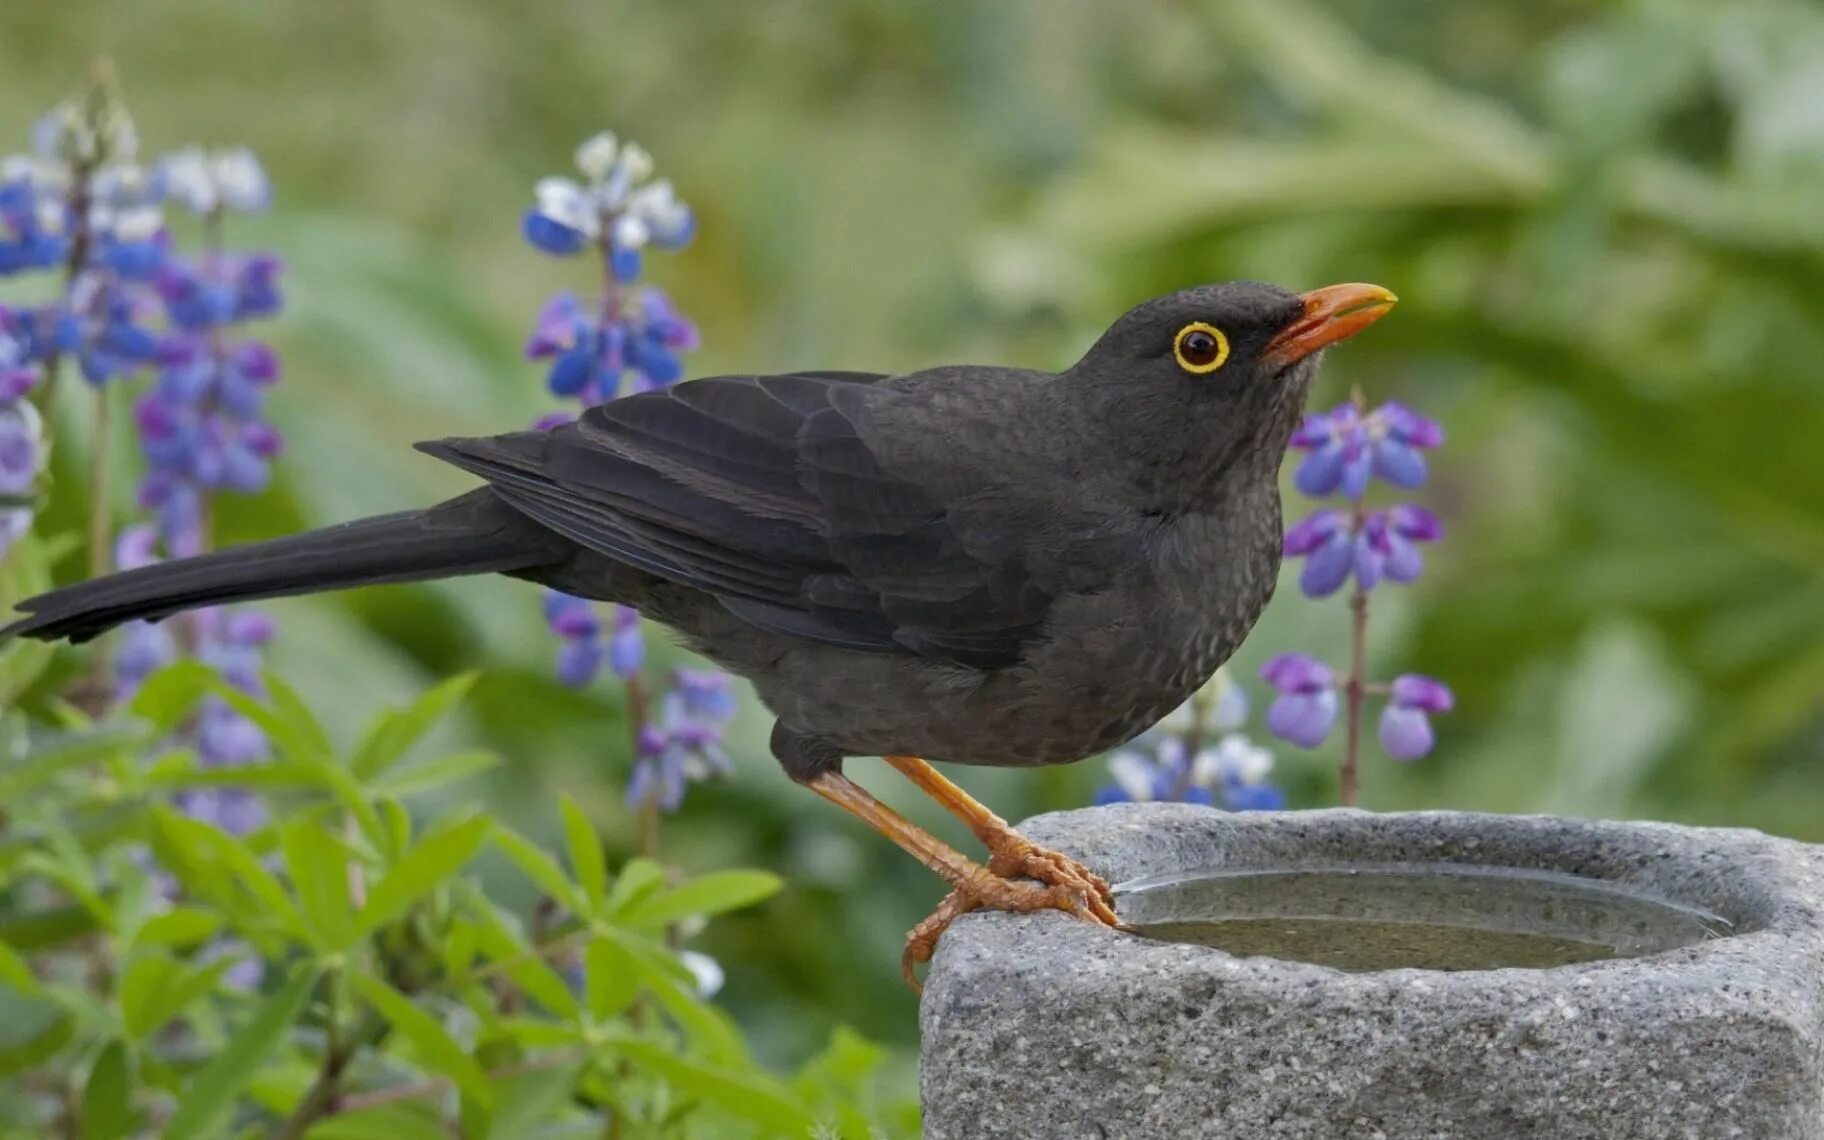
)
(1345, 450)
(628, 339)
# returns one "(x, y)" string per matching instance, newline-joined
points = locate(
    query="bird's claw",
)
(1062, 884)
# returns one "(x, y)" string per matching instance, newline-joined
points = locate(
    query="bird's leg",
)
(1011, 855)
(975, 886)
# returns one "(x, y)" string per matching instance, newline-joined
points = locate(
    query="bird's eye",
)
(1200, 347)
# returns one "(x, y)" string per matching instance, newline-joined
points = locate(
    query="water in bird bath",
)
(1435, 916)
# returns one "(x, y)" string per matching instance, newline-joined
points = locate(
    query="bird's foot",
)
(1063, 884)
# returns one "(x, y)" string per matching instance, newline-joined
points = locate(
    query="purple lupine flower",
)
(1306, 706)
(627, 646)
(21, 447)
(1405, 729)
(1384, 547)
(575, 621)
(684, 741)
(1345, 447)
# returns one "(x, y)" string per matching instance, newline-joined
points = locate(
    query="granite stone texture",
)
(1043, 1027)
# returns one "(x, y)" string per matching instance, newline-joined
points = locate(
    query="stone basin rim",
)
(1743, 876)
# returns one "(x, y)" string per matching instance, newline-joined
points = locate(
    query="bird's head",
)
(1221, 370)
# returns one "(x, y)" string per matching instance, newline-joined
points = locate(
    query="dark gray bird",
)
(976, 565)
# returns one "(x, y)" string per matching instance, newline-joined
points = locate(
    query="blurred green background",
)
(1605, 220)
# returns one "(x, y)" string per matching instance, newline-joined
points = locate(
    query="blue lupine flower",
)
(34, 228)
(1405, 729)
(1306, 706)
(1233, 773)
(1345, 447)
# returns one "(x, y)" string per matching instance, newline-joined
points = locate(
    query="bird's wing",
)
(770, 493)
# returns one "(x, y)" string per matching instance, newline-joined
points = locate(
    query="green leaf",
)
(212, 864)
(586, 859)
(157, 987)
(23, 1056)
(530, 1098)
(15, 972)
(708, 1028)
(436, 773)
(295, 741)
(318, 865)
(107, 1098)
(62, 753)
(435, 1046)
(637, 880)
(539, 867)
(744, 1094)
(709, 895)
(288, 706)
(424, 868)
(611, 978)
(394, 732)
(353, 798)
(165, 698)
(180, 927)
(213, 1091)
(528, 970)
(382, 1122)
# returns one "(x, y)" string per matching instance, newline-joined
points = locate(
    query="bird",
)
(966, 564)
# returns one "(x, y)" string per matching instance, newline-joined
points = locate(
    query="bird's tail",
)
(474, 534)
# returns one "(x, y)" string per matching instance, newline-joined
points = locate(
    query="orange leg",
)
(1012, 855)
(973, 884)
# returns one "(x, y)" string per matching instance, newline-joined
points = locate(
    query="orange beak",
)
(1333, 313)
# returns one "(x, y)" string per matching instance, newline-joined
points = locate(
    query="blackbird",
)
(976, 565)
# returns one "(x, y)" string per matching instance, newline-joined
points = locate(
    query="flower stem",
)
(100, 529)
(1193, 742)
(1355, 686)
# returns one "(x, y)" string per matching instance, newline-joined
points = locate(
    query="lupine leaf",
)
(611, 978)
(436, 773)
(318, 865)
(586, 860)
(638, 879)
(529, 971)
(434, 1044)
(382, 1122)
(211, 863)
(394, 732)
(46, 761)
(743, 1093)
(299, 742)
(156, 987)
(180, 927)
(539, 867)
(15, 972)
(710, 894)
(213, 1091)
(300, 721)
(19, 1057)
(165, 698)
(708, 1028)
(107, 1097)
(429, 863)
(528, 1099)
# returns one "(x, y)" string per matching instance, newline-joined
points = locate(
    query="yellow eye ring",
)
(1200, 348)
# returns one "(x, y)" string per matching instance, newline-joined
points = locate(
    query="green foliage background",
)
(1604, 220)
